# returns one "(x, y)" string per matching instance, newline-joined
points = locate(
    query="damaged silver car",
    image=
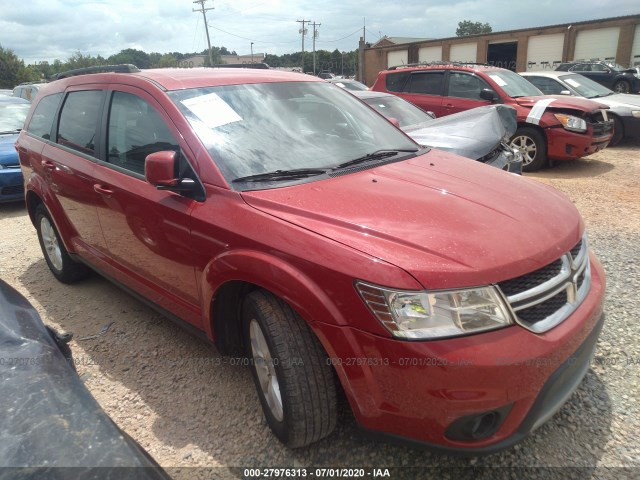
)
(480, 134)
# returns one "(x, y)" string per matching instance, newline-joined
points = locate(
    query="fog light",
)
(477, 426)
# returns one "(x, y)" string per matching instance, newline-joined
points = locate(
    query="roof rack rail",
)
(260, 65)
(123, 68)
(438, 64)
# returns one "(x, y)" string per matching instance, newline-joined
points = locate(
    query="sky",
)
(45, 30)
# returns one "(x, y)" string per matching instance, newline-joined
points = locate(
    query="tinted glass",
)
(258, 128)
(42, 119)
(79, 120)
(135, 131)
(428, 83)
(464, 85)
(395, 82)
(548, 86)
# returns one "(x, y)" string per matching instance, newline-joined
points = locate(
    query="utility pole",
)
(206, 25)
(315, 35)
(303, 32)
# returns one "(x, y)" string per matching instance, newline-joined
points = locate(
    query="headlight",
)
(427, 315)
(569, 122)
(635, 113)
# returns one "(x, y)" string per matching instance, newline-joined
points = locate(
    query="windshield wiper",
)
(15, 130)
(377, 155)
(279, 175)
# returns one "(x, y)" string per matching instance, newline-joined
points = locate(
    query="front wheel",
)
(618, 132)
(531, 144)
(63, 267)
(621, 86)
(294, 380)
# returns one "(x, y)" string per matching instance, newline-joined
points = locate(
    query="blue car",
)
(13, 111)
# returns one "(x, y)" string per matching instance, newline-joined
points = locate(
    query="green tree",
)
(12, 69)
(130, 55)
(467, 27)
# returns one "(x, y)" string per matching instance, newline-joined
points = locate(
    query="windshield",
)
(253, 129)
(585, 87)
(513, 84)
(406, 113)
(12, 116)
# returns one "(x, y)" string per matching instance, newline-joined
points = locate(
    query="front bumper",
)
(419, 391)
(11, 185)
(565, 145)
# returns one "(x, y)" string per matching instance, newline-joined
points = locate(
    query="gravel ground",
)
(190, 407)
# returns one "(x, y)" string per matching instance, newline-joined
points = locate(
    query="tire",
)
(621, 86)
(294, 380)
(618, 132)
(63, 267)
(533, 147)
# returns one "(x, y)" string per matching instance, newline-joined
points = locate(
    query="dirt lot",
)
(190, 407)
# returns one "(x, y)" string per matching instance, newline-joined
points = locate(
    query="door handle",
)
(48, 165)
(102, 190)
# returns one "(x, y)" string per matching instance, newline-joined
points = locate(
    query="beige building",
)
(198, 60)
(612, 39)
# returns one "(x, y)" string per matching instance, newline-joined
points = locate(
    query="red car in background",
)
(276, 215)
(549, 128)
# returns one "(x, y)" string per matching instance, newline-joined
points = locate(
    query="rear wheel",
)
(63, 267)
(621, 86)
(294, 380)
(532, 145)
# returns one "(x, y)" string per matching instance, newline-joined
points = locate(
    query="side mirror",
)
(395, 121)
(159, 169)
(565, 92)
(431, 114)
(488, 94)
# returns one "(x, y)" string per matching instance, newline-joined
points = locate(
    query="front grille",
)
(545, 297)
(599, 125)
(12, 190)
(531, 280)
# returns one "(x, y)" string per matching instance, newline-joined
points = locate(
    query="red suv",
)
(454, 304)
(549, 128)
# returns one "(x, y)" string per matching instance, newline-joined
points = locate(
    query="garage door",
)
(463, 52)
(544, 51)
(600, 44)
(430, 54)
(635, 48)
(398, 57)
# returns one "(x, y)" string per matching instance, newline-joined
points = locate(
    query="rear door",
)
(147, 230)
(425, 89)
(67, 167)
(463, 92)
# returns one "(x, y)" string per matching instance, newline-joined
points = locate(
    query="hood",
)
(620, 100)
(447, 221)
(473, 133)
(563, 102)
(8, 153)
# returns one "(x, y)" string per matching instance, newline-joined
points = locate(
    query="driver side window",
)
(135, 131)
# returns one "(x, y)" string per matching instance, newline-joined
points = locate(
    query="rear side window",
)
(428, 83)
(548, 86)
(135, 131)
(42, 119)
(79, 121)
(396, 81)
